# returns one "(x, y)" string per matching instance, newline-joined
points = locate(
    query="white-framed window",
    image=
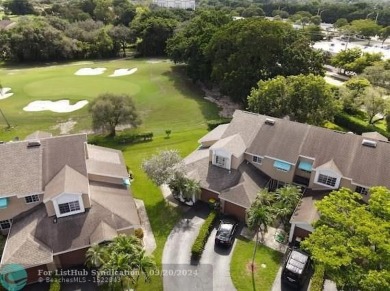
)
(361, 190)
(69, 207)
(327, 180)
(31, 199)
(220, 161)
(257, 159)
(5, 224)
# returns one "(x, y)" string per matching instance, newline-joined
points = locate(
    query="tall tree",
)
(109, 110)
(366, 28)
(286, 199)
(307, 99)
(246, 51)
(372, 99)
(96, 256)
(162, 167)
(259, 214)
(188, 45)
(352, 239)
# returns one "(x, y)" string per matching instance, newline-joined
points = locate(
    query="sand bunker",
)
(90, 71)
(4, 93)
(123, 72)
(55, 106)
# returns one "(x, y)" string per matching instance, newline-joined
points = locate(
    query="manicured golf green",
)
(165, 98)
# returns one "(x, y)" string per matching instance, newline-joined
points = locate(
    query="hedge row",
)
(204, 233)
(347, 122)
(126, 138)
(211, 124)
(317, 281)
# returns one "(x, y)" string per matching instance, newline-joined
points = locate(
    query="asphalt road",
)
(212, 272)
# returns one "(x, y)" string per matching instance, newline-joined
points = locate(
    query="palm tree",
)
(127, 244)
(287, 199)
(119, 269)
(96, 256)
(143, 264)
(191, 189)
(260, 214)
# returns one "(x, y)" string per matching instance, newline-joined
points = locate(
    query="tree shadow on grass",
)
(177, 75)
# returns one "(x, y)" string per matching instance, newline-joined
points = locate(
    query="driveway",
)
(212, 272)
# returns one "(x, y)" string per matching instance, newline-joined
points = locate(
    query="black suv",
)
(225, 233)
(296, 267)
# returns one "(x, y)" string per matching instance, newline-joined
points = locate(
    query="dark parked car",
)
(225, 233)
(296, 267)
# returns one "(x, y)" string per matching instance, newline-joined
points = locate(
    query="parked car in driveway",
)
(296, 268)
(225, 232)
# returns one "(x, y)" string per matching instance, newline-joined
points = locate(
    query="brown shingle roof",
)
(374, 135)
(111, 205)
(233, 144)
(103, 232)
(245, 124)
(63, 150)
(37, 135)
(20, 169)
(210, 177)
(244, 193)
(287, 140)
(67, 180)
(215, 134)
(105, 161)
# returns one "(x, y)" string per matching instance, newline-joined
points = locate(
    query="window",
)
(257, 159)
(5, 224)
(31, 199)
(361, 190)
(220, 161)
(282, 166)
(327, 180)
(69, 207)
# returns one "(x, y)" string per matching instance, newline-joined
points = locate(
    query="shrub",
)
(204, 233)
(139, 233)
(356, 126)
(55, 284)
(211, 124)
(317, 281)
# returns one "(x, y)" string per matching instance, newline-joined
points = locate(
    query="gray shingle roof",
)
(20, 169)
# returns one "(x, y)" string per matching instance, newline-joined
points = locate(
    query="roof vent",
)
(269, 121)
(369, 143)
(32, 144)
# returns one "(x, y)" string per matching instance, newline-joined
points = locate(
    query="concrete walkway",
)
(149, 240)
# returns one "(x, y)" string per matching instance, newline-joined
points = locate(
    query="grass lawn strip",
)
(267, 263)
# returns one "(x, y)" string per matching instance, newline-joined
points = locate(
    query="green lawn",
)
(267, 263)
(165, 98)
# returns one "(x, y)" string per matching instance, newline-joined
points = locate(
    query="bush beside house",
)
(204, 233)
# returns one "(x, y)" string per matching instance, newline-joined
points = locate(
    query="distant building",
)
(183, 4)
